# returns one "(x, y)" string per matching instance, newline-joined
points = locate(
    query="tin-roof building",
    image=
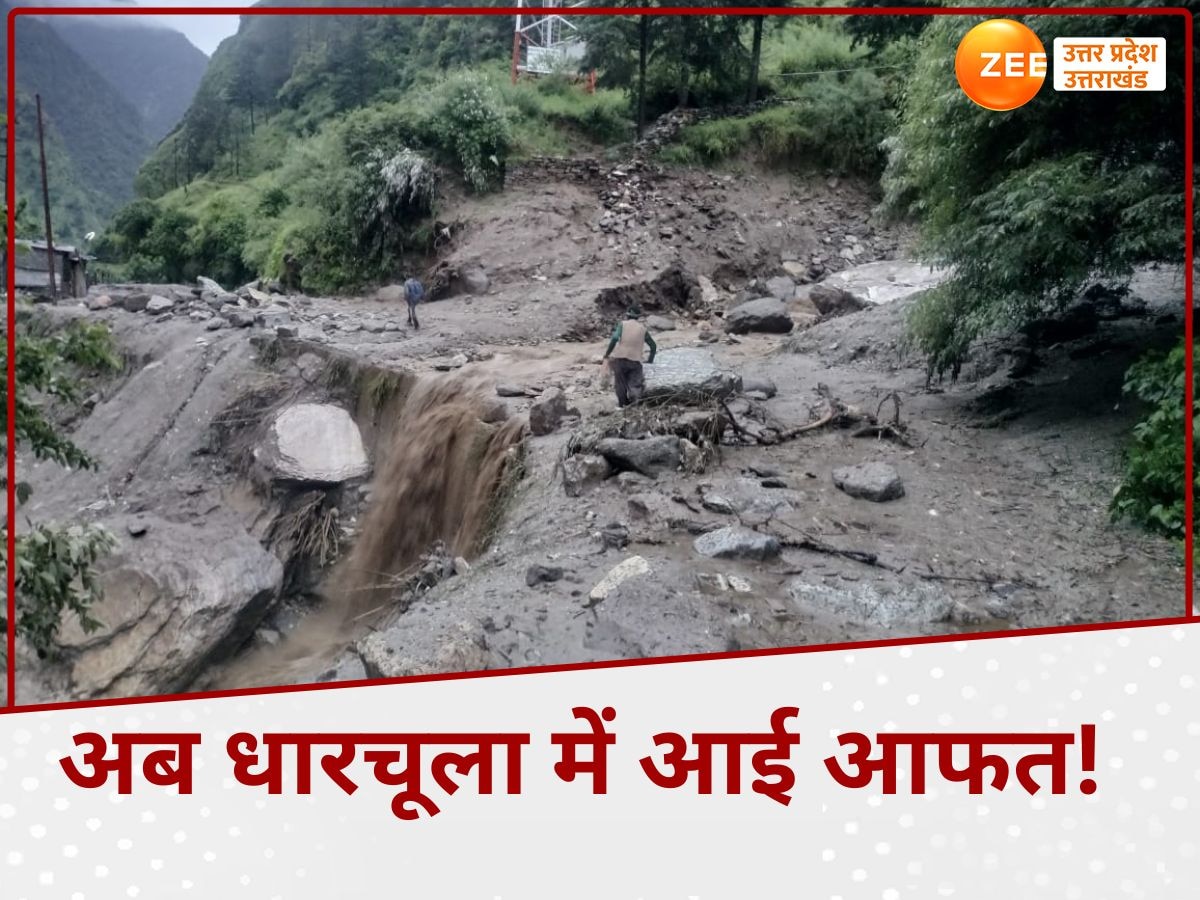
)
(70, 268)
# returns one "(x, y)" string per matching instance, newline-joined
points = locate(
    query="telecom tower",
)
(545, 42)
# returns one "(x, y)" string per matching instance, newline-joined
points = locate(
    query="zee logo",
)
(1016, 65)
(1000, 64)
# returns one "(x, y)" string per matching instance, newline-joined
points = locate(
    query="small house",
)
(32, 271)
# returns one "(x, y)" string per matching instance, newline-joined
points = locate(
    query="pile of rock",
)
(256, 304)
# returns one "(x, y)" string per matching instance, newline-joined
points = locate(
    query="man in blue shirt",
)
(414, 293)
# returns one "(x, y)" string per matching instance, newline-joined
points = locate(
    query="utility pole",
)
(46, 199)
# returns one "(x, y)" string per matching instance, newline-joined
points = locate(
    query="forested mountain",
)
(95, 140)
(308, 69)
(154, 67)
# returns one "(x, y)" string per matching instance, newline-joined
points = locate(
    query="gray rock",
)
(688, 374)
(583, 471)
(214, 324)
(718, 504)
(348, 667)
(648, 456)
(870, 481)
(660, 323)
(736, 542)
(273, 315)
(472, 280)
(632, 482)
(614, 535)
(796, 270)
(137, 528)
(493, 412)
(547, 412)
(782, 288)
(236, 315)
(650, 506)
(764, 386)
(536, 575)
(174, 601)
(831, 300)
(135, 302)
(511, 390)
(711, 583)
(158, 304)
(207, 284)
(861, 603)
(102, 302)
(767, 314)
(632, 567)
(882, 282)
(314, 442)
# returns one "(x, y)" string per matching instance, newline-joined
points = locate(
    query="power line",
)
(836, 71)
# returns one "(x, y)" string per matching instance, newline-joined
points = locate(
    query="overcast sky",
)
(206, 32)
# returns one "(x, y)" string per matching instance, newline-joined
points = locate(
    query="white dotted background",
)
(1136, 837)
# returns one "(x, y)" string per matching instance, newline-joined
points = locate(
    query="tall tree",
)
(1028, 205)
(757, 25)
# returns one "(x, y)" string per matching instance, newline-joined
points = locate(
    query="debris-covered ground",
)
(795, 480)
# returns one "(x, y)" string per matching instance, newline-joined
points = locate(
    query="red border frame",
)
(990, 11)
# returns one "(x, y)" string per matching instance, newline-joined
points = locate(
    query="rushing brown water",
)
(437, 481)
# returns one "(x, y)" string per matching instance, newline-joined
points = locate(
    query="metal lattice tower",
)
(545, 42)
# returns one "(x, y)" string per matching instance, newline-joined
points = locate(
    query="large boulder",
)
(648, 456)
(314, 442)
(688, 374)
(547, 412)
(875, 481)
(875, 283)
(176, 599)
(767, 314)
(736, 542)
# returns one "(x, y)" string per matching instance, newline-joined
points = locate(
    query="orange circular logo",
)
(1000, 64)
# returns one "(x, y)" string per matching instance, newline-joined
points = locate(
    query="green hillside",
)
(153, 67)
(94, 136)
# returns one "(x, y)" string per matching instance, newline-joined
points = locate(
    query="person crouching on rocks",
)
(625, 350)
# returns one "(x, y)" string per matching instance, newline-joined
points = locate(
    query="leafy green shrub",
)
(217, 243)
(55, 575)
(273, 201)
(54, 565)
(395, 193)
(1152, 491)
(469, 123)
